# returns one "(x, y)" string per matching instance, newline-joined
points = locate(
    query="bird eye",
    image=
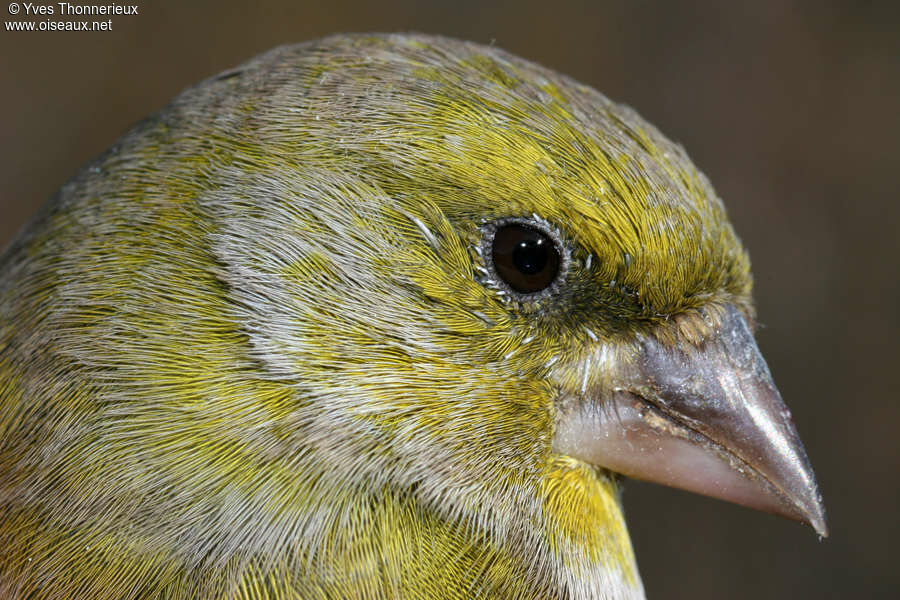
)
(524, 257)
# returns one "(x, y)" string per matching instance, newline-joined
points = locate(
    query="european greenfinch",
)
(376, 316)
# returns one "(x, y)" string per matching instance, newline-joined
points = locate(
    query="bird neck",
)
(586, 532)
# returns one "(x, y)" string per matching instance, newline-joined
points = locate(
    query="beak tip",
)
(816, 518)
(807, 507)
(821, 527)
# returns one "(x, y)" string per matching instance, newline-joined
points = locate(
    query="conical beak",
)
(707, 419)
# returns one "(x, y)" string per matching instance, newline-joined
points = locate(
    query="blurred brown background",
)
(791, 108)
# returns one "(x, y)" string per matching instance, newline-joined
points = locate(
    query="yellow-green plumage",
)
(253, 350)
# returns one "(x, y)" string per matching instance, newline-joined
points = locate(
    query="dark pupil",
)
(525, 258)
(530, 256)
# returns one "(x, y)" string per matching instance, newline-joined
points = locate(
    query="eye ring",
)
(525, 257)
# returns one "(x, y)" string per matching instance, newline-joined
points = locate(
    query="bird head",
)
(403, 266)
